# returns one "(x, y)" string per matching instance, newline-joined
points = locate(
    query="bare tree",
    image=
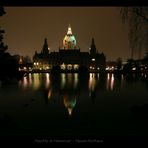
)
(3, 47)
(137, 19)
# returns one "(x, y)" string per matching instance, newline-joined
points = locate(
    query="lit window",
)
(134, 68)
(69, 66)
(63, 66)
(76, 66)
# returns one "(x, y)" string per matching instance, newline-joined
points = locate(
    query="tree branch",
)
(140, 14)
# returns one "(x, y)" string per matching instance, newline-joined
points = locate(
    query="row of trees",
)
(8, 63)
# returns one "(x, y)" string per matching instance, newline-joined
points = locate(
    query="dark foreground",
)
(97, 108)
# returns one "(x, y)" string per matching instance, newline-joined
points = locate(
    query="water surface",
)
(69, 104)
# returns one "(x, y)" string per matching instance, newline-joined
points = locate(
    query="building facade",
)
(69, 57)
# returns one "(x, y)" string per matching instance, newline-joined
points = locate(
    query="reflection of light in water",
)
(75, 80)
(145, 75)
(92, 82)
(107, 85)
(69, 78)
(25, 83)
(69, 104)
(112, 82)
(69, 111)
(63, 80)
(122, 80)
(47, 80)
(30, 78)
(49, 94)
(98, 76)
(36, 81)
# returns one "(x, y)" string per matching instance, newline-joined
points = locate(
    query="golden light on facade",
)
(76, 66)
(34, 63)
(69, 41)
(20, 60)
(134, 68)
(69, 66)
(63, 66)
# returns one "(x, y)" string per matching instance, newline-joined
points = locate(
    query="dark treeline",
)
(8, 63)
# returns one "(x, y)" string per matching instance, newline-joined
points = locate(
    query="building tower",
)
(93, 48)
(69, 41)
(45, 50)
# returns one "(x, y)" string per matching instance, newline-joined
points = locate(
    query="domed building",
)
(69, 41)
(69, 57)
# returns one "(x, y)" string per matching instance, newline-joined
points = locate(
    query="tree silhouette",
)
(3, 47)
(2, 12)
(137, 19)
(8, 63)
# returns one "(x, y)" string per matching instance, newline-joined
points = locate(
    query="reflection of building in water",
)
(47, 81)
(36, 81)
(92, 81)
(69, 103)
(26, 81)
(69, 81)
(69, 56)
(93, 78)
(110, 82)
(69, 90)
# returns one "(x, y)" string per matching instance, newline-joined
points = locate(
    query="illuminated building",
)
(69, 57)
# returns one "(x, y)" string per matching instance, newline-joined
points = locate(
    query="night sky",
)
(26, 27)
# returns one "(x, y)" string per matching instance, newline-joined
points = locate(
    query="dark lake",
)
(70, 104)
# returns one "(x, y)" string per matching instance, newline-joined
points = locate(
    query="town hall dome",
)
(69, 41)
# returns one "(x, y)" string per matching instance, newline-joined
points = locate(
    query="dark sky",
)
(26, 28)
